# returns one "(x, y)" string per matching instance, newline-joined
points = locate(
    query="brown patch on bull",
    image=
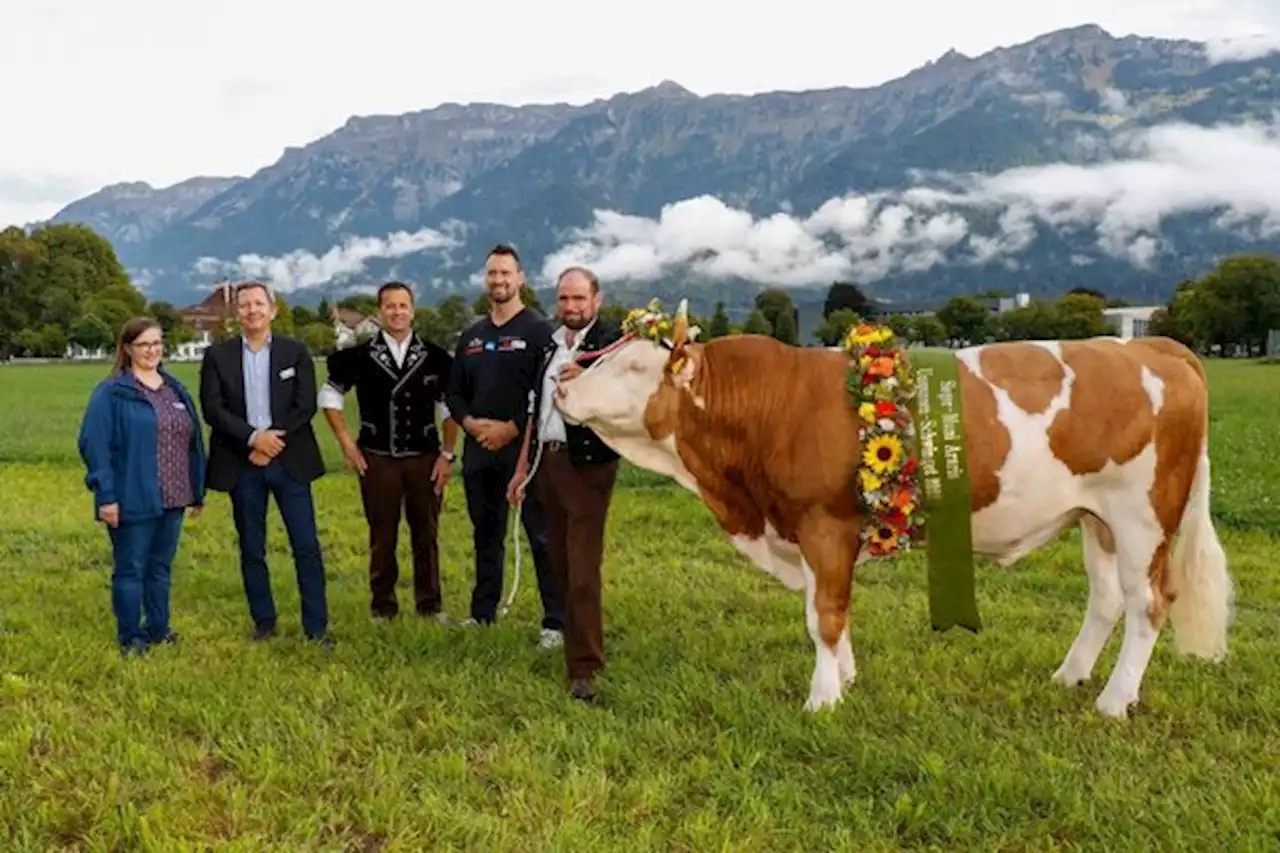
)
(986, 438)
(1031, 375)
(1181, 426)
(826, 542)
(1109, 417)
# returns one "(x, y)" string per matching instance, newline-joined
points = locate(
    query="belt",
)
(554, 446)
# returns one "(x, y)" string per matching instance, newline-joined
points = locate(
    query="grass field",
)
(412, 737)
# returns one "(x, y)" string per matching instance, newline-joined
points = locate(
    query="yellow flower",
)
(866, 334)
(870, 482)
(882, 540)
(883, 454)
(868, 412)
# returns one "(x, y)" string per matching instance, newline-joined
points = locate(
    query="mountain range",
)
(1077, 158)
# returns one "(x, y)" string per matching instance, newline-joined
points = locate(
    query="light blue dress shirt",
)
(257, 386)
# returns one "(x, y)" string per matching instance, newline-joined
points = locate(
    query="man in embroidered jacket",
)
(400, 382)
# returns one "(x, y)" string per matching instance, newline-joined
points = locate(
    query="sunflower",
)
(882, 540)
(883, 454)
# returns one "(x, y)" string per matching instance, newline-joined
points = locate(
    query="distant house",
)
(881, 311)
(203, 320)
(75, 352)
(1130, 321)
(351, 327)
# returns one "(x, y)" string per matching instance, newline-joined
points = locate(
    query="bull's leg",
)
(844, 654)
(825, 686)
(1142, 552)
(829, 549)
(1106, 602)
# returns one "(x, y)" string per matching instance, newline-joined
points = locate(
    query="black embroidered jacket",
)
(397, 403)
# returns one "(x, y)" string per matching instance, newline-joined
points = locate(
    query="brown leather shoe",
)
(582, 689)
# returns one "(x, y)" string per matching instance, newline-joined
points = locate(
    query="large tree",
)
(61, 281)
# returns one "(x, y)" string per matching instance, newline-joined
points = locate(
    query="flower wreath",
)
(649, 322)
(880, 383)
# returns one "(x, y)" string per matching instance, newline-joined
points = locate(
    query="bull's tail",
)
(1202, 609)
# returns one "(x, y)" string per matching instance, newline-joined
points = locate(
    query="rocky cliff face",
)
(534, 175)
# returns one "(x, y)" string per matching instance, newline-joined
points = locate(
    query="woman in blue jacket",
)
(143, 449)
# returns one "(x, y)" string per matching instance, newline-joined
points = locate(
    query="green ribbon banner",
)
(945, 488)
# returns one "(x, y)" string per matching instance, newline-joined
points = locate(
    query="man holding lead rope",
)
(573, 472)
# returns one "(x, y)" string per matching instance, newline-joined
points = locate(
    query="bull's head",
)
(616, 393)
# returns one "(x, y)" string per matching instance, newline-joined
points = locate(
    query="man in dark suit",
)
(258, 394)
(574, 477)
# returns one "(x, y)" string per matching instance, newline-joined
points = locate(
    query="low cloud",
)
(1243, 49)
(301, 269)
(1233, 171)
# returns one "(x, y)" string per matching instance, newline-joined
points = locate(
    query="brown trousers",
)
(387, 484)
(576, 504)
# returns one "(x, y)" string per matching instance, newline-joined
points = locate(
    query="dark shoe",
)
(324, 640)
(168, 639)
(264, 632)
(134, 648)
(582, 690)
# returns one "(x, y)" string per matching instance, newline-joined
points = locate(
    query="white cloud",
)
(301, 269)
(1164, 171)
(1243, 48)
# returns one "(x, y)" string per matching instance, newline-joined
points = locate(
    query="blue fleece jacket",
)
(118, 445)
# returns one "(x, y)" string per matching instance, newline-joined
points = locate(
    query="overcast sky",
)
(160, 91)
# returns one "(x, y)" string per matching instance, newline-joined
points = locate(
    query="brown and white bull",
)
(1109, 435)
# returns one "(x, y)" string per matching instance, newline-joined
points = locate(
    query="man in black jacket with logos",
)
(258, 394)
(575, 477)
(495, 370)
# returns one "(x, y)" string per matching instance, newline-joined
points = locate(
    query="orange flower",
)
(882, 366)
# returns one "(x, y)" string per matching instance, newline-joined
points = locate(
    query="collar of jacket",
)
(125, 382)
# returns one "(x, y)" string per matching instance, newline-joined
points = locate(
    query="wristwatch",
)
(447, 454)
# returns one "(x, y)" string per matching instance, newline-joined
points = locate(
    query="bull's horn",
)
(680, 327)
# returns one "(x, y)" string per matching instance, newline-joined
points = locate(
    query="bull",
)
(1107, 435)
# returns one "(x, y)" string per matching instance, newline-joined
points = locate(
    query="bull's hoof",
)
(1069, 676)
(1115, 707)
(823, 696)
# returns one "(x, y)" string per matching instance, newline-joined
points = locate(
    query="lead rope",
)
(513, 513)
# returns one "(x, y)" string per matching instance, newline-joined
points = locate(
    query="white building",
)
(352, 327)
(1130, 321)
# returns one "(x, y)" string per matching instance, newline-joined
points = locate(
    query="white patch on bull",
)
(1106, 603)
(1039, 495)
(827, 686)
(1154, 386)
(774, 555)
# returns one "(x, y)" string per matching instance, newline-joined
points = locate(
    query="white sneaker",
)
(551, 639)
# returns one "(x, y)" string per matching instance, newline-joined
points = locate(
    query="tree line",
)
(63, 284)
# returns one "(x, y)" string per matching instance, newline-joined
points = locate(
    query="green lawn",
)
(412, 737)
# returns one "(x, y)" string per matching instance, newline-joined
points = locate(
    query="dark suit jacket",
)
(583, 445)
(293, 405)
